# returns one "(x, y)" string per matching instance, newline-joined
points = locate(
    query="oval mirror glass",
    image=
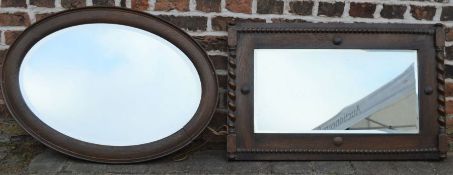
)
(110, 84)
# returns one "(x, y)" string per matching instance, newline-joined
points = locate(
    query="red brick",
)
(269, 7)
(331, 9)
(70, 4)
(283, 20)
(41, 16)
(14, 3)
(11, 36)
(208, 5)
(14, 19)
(140, 4)
(223, 79)
(303, 8)
(393, 11)
(423, 12)
(449, 53)
(239, 6)
(449, 89)
(449, 34)
(43, 3)
(362, 10)
(2, 55)
(192, 23)
(219, 61)
(211, 43)
(447, 13)
(107, 3)
(449, 107)
(167, 5)
(221, 23)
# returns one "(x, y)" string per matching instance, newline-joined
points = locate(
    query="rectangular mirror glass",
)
(335, 91)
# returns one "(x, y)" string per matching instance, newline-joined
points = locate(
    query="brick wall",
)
(207, 21)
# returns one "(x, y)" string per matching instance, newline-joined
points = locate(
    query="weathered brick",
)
(223, 100)
(447, 14)
(304, 8)
(448, 71)
(108, 3)
(71, 4)
(3, 55)
(14, 19)
(449, 125)
(192, 23)
(449, 52)
(208, 5)
(14, 3)
(11, 36)
(283, 20)
(11, 129)
(449, 34)
(167, 5)
(239, 6)
(449, 89)
(221, 23)
(41, 16)
(362, 10)
(211, 43)
(449, 107)
(223, 79)
(393, 11)
(140, 4)
(423, 12)
(219, 61)
(330, 9)
(43, 3)
(270, 7)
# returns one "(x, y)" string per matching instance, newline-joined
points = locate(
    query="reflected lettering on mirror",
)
(335, 91)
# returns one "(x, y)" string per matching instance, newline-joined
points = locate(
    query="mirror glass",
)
(110, 84)
(335, 91)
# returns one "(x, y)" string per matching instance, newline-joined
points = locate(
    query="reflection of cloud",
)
(125, 86)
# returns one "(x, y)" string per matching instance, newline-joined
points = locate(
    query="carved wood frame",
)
(243, 144)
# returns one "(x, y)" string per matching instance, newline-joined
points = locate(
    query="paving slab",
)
(214, 162)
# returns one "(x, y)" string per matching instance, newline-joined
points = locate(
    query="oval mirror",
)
(109, 88)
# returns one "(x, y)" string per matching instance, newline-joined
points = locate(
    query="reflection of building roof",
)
(394, 91)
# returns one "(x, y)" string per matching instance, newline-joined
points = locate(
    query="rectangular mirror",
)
(335, 91)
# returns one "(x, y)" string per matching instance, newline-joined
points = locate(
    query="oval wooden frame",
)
(102, 153)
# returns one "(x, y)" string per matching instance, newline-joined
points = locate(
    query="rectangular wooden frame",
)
(244, 144)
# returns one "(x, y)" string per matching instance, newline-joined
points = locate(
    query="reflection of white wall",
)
(401, 116)
(296, 90)
(388, 106)
(110, 84)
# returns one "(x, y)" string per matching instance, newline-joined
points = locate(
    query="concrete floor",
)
(214, 162)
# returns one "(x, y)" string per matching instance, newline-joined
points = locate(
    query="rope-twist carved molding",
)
(257, 150)
(333, 30)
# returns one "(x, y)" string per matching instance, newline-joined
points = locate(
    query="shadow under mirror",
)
(110, 84)
(335, 91)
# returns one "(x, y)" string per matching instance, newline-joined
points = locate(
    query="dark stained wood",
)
(244, 144)
(102, 153)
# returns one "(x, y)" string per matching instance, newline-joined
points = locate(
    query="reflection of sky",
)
(302, 88)
(110, 84)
